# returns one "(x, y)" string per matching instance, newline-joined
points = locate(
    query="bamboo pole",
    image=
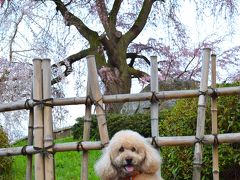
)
(101, 118)
(154, 101)
(30, 142)
(197, 161)
(214, 120)
(97, 145)
(48, 124)
(121, 98)
(86, 132)
(38, 119)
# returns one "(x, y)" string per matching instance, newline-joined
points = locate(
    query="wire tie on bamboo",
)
(79, 144)
(154, 97)
(154, 142)
(216, 141)
(214, 93)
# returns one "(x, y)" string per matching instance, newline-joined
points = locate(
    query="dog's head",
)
(128, 154)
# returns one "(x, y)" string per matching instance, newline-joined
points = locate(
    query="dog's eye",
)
(121, 149)
(133, 149)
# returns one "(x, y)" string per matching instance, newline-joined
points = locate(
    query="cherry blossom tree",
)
(113, 32)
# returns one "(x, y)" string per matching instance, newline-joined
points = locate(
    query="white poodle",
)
(129, 157)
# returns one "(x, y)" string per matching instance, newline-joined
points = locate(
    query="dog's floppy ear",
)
(152, 161)
(104, 168)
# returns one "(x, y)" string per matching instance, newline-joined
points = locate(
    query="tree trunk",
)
(115, 76)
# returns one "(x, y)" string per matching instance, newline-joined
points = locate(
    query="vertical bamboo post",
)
(154, 103)
(101, 118)
(214, 119)
(30, 142)
(86, 132)
(38, 119)
(197, 162)
(48, 124)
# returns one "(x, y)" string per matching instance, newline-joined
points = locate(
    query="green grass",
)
(67, 164)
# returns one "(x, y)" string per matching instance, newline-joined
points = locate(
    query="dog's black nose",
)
(129, 161)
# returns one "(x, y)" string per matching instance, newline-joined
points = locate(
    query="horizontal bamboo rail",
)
(96, 145)
(120, 98)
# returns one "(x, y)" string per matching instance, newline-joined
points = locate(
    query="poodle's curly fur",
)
(129, 156)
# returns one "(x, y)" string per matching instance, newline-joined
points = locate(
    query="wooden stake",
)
(101, 118)
(38, 119)
(48, 124)
(214, 120)
(197, 162)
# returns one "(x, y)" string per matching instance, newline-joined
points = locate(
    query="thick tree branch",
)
(68, 64)
(135, 73)
(139, 23)
(71, 19)
(134, 56)
(103, 14)
(113, 14)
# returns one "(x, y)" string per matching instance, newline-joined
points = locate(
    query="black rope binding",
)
(104, 145)
(88, 98)
(42, 102)
(154, 97)
(214, 93)
(45, 150)
(96, 103)
(24, 150)
(199, 140)
(202, 93)
(216, 141)
(27, 104)
(154, 142)
(79, 144)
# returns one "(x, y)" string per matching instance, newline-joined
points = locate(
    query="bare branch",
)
(135, 73)
(13, 37)
(67, 63)
(185, 70)
(71, 19)
(134, 56)
(139, 23)
(103, 14)
(113, 14)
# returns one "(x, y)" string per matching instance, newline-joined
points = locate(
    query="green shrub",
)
(115, 122)
(181, 120)
(5, 162)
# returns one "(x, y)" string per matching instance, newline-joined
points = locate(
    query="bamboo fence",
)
(197, 162)
(40, 139)
(122, 98)
(38, 118)
(154, 100)
(86, 129)
(214, 119)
